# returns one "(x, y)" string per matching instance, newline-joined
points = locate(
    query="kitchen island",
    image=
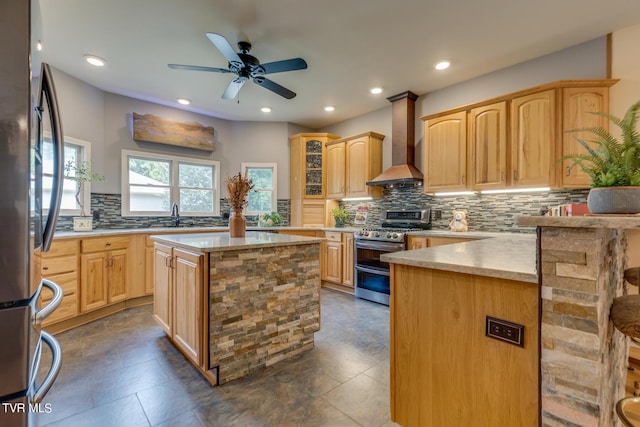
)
(445, 370)
(236, 305)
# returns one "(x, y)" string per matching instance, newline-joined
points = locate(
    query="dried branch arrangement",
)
(238, 187)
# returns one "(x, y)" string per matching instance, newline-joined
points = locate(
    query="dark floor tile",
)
(123, 412)
(363, 399)
(122, 370)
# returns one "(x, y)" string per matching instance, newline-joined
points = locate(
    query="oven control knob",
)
(377, 234)
(366, 233)
(389, 235)
(395, 235)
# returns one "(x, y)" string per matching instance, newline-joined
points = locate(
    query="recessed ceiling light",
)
(184, 101)
(95, 60)
(442, 65)
(376, 90)
(39, 45)
(329, 108)
(265, 109)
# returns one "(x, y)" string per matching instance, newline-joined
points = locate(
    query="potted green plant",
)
(82, 173)
(340, 214)
(269, 219)
(613, 165)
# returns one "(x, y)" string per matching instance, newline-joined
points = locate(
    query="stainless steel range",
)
(372, 276)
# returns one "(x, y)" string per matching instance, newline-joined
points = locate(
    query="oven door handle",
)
(380, 246)
(377, 271)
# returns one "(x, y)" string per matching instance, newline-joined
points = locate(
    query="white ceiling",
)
(349, 45)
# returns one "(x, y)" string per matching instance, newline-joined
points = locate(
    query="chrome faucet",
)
(175, 215)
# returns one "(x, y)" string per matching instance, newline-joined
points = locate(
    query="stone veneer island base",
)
(255, 302)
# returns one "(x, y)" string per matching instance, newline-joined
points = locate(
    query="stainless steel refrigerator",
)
(27, 99)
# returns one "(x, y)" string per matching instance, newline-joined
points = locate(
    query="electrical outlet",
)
(96, 215)
(503, 330)
(437, 214)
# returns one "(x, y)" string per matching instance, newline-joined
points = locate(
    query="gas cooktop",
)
(395, 225)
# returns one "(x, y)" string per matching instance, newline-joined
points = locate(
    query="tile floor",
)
(121, 371)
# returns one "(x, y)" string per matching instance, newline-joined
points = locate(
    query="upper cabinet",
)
(488, 145)
(513, 141)
(533, 135)
(578, 104)
(446, 152)
(308, 174)
(351, 162)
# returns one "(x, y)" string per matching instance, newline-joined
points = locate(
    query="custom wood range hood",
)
(403, 132)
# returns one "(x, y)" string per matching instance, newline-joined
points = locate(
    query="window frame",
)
(274, 190)
(174, 184)
(84, 156)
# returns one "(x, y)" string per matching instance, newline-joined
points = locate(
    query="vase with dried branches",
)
(238, 187)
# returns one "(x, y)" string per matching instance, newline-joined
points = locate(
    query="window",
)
(152, 183)
(264, 196)
(76, 151)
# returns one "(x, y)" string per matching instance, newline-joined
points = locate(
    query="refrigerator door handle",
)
(56, 364)
(48, 91)
(40, 315)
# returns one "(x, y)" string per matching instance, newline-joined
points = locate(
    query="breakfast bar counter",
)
(234, 306)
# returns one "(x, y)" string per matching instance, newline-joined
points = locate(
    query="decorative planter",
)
(614, 200)
(237, 224)
(339, 222)
(82, 223)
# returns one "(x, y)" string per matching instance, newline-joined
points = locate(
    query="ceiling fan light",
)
(442, 65)
(329, 108)
(184, 101)
(376, 90)
(95, 60)
(265, 109)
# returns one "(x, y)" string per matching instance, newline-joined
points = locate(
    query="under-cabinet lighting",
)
(184, 101)
(355, 199)
(95, 60)
(455, 193)
(517, 190)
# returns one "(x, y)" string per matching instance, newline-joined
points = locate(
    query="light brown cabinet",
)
(178, 298)
(445, 153)
(60, 265)
(532, 142)
(420, 242)
(347, 260)
(308, 176)
(578, 104)
(103, 272)
(351, 162)
(332, 248)
(488, 143)
(417, 242)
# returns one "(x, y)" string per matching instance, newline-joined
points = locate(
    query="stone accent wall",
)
(583, 358)
(265, 306)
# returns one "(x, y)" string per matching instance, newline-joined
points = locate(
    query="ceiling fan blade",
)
(225, 48)
(234, 87)
(198, 68)
(274, 87)
(286, 65)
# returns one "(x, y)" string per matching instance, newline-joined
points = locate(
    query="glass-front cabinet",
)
(313, 187)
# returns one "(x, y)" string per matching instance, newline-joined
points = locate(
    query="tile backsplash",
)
(494, 212)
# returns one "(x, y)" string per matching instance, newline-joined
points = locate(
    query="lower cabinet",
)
(60, 265)
(419, 242)
(336, 266)
(178, 298)
(103, 272)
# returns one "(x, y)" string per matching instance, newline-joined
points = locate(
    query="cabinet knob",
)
(515, 175)
(568, 170)
(108, 243)
(502, 176)
(45, 268)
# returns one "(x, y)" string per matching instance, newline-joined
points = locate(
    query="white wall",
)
(625, 65)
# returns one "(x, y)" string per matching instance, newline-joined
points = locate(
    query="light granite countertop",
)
(590, 221)
(214, 242)
(503, 255)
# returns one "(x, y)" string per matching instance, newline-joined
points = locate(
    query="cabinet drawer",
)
(104, 244)
(61, 248)
(63, 264)
(333, 236)
(67, 309)
(68, 282)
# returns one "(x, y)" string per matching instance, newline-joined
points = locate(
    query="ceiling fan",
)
(246, 66)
